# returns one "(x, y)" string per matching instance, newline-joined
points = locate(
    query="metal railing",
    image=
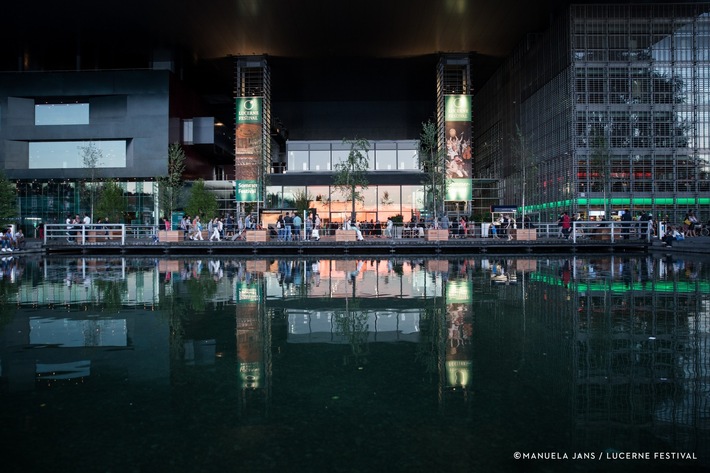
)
(611, 231)
(97, 233)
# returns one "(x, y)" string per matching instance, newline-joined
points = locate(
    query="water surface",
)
(309, 365)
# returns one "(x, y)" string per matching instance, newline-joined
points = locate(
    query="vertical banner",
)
(248, 148)
(457, 121)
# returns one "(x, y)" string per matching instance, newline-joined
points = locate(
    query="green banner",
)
(249, 146)
(459, 189)
(247, 191)
(458, 108)
(457, 122)
(248, 109)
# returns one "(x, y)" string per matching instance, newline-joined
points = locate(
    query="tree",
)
(526, 166)
(350, 175)
(8, 199)
(170, 186)
(111, 202)
(600, 162)
(302, 200)
(432, 160)
(91, 158)
(201, 202)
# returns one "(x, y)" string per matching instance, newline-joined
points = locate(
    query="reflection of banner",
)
(457, 119)
(248, 147)
(458, 373)
(458, 291)
(247, 293)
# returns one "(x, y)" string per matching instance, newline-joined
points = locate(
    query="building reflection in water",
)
(618, 345)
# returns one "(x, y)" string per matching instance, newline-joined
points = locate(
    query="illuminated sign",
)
(457, 118)
(249, 148)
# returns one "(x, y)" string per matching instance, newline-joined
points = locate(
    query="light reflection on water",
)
(399, 364)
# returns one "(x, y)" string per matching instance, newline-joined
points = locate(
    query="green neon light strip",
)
(681, 287)
(681, 201)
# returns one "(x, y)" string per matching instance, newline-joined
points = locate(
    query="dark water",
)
(145, 365)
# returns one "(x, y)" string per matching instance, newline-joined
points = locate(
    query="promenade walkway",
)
(117, 238)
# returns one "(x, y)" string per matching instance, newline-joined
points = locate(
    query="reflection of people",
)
(566, 273)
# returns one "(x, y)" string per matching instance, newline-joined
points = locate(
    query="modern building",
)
(608, 110)
(50, 119)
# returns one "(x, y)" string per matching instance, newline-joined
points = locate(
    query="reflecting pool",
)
(481, 364)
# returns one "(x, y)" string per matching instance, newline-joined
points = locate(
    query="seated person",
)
(671, 235)
(19, 243)
(5, 242)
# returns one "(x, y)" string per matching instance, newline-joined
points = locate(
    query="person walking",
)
(566, 225)
(214, 233)
(316, 228)
(197, 228)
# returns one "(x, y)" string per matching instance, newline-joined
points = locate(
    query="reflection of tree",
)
(641, 115)
(200, 290)
(352, 325)
(110, 294)
(429, 351)
(386, 200)
(7, 311)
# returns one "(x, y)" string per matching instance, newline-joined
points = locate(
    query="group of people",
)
(12, 240)
(691, 225)
(292, 227)
(216, 229)
(502, 227)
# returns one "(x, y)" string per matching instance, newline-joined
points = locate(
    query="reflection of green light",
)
(683, 287)
(458, 291)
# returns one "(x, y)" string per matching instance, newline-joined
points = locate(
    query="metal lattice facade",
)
(253, 79)
(614, 102)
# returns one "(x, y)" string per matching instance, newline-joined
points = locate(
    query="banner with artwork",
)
(248, 147)
(457, 122)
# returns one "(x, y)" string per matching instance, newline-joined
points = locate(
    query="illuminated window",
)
(69, 155)
(62, 114)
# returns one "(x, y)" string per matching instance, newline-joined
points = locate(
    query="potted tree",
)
(350, 179)
(432, 160)
(527, 170)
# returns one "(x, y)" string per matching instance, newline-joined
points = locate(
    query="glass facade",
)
(51, 201)
(314, 161)
(322, 156)
(62, 114)
(613, 103)
(379, 202)
(69, 154)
